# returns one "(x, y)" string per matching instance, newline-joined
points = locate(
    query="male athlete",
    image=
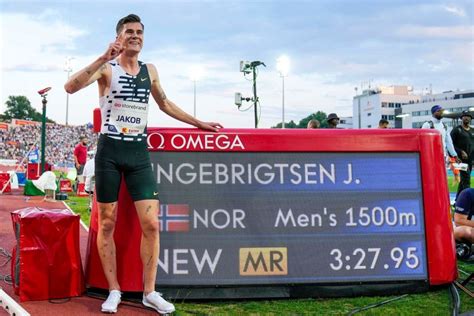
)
(125, 84)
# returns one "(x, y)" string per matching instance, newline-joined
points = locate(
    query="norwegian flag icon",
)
(174, 217)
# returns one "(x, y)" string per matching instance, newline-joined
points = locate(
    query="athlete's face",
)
(132, 36)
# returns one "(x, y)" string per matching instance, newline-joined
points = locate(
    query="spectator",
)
(332, 120)
(383, 123)
(80, 154)
(313, 124)
(463, 140)
(89, 175)
(33, 156)
(436, 123)
(15, 143)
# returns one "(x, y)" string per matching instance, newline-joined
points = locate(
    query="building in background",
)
(380, 103)
(413, 115)
(345, 122)
(404, 109)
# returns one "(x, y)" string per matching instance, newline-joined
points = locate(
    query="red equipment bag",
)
(65, 185)
(46, 262)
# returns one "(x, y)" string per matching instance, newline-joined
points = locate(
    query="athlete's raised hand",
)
(114, 49)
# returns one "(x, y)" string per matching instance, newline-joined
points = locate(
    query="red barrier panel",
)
(33, 171)
(81, 190)
(4, 179)
(46, 261)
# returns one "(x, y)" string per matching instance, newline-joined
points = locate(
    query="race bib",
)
(128, 117)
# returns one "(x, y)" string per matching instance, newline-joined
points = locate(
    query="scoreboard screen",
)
(272, 218)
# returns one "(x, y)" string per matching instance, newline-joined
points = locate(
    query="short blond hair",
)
(314, 124)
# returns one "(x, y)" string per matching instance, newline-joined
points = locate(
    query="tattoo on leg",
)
(149, 260)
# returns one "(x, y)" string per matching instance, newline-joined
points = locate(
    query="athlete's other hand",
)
(209, 126)
(114, 49)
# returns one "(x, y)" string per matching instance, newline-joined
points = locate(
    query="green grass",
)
(79, 205)
(434, 302)
(452, 186)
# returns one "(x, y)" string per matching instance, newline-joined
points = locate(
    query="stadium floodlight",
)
(68, 69)
(195, 74)
(283, 67)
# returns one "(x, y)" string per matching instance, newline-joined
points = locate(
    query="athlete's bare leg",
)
(106, 244)
(464, 233)
(147, 211)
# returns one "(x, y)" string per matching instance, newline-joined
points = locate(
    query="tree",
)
(19, 107)
(291, 124)
(320, 116)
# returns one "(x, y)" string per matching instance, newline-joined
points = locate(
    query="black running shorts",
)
(131, 158)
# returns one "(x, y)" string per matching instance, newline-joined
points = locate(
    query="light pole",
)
(283, 66)
(195, 74)
(68, 69)
(358, 107)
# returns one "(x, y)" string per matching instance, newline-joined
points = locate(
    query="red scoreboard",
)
(291, 213)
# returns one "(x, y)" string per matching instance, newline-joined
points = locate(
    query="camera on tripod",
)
(463, 250)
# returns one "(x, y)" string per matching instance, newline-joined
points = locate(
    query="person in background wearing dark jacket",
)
(463, 141)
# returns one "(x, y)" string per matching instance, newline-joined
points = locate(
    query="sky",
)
(333, 47)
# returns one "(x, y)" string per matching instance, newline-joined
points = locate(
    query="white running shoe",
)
(112, 302)
(158, 303)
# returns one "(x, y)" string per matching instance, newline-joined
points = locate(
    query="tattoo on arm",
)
(161, 94)
(88, 71)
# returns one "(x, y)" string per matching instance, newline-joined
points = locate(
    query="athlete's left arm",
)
(170, 108)
(461, 220)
